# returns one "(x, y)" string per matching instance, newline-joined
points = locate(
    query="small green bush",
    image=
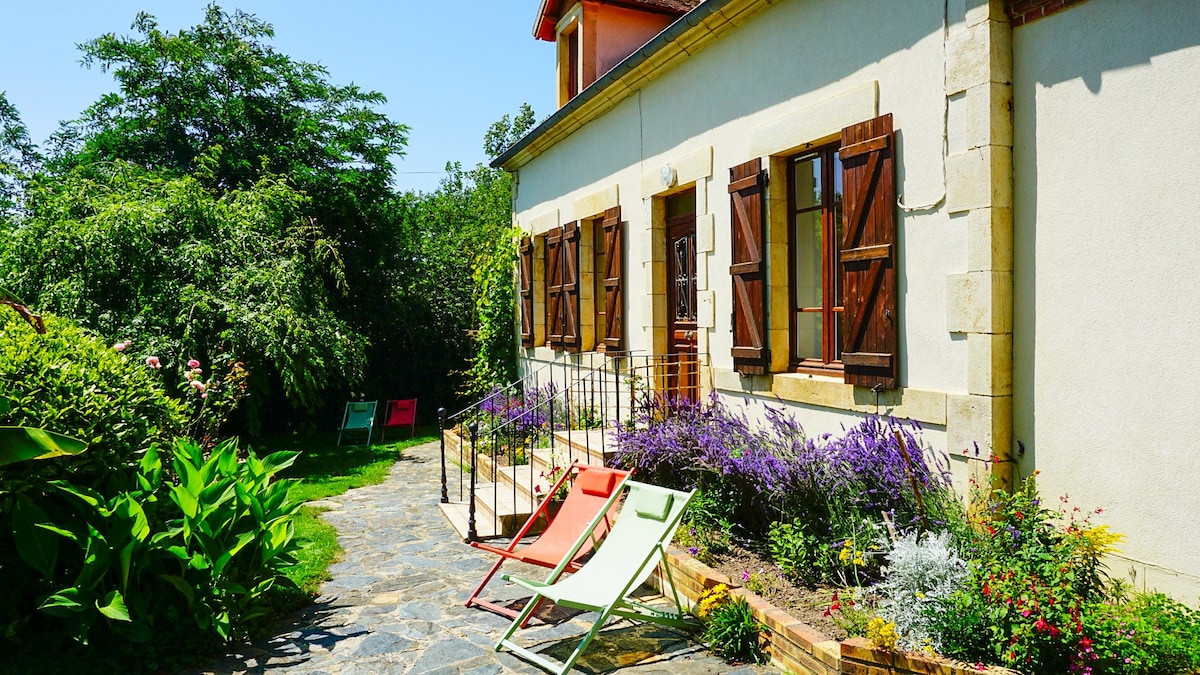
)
(177, 564)
(1149, 635)
(733, 633)
(69, 382)
(1034, 572)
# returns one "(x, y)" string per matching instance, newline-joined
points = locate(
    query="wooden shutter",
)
(554, 288)
(614, 328)
(747, 183)
(526, 291)
(570, 286)
(868, 253)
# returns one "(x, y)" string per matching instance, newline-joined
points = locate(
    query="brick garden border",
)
(796, 647)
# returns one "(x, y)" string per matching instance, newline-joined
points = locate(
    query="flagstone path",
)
(394, 605)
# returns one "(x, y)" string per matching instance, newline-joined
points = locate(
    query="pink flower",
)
(152, 362)
(193, 363)
(745, 575)
(198, 386)
(120, 346)
(204, 395)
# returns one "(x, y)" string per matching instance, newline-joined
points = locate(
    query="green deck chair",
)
(359, 418)
(628, 555)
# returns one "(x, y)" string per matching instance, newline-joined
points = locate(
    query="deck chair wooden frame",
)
(590, 494)
(359, 417)
(635, 543)
(397, 414)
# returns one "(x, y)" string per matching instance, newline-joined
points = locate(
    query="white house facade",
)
(978, 215)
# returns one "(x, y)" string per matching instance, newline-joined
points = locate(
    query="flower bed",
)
(798, 648)
(1019, 583)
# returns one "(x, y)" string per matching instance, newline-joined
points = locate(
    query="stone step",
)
(456, 513)
(503, 508)
(590, 446)
(528, 478)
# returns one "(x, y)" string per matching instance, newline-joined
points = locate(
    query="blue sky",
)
(448, 69)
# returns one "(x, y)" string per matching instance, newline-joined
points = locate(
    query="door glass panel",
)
(684, 280)
(808, 335)
(807, 177)
(808, 259)
(681, 204)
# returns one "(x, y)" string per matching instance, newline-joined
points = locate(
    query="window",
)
(583, 283)
(816, 229)
(570, 54)
(840, 284)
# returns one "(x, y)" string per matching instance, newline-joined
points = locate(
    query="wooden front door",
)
(683, 372)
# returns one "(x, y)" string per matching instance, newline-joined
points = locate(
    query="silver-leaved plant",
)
(922, 572)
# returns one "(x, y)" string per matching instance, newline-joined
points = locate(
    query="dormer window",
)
(570, 58)
(595, 35)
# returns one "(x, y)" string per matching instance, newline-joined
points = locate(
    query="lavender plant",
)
(754, 476)
(923, 573)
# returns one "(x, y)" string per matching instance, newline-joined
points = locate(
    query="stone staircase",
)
(505, 496)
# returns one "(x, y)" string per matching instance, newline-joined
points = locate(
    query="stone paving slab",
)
(394, 605)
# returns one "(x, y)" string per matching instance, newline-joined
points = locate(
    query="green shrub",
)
(1033, 574)
(1150, 635)
(187, 561)
(71, 383)
(730, 628)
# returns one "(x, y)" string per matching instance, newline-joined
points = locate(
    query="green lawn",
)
(326, 471)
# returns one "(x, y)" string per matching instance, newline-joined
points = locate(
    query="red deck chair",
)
(593, 487)
(402, 413)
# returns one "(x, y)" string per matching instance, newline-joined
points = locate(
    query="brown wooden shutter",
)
(526, 291)
(747, 183)
(868, 253)
(614, 329)
(554, 288)
(570, 286)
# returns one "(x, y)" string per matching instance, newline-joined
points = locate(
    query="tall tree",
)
(19, 157)
(221, 84)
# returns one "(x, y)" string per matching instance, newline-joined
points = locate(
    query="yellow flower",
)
(858, 560)
(711, 599)
(882, 634)
(844, 555)
(1100, 540)
(920, 594)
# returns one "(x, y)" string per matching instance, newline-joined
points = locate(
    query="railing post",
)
(472, 535)
(442, 438)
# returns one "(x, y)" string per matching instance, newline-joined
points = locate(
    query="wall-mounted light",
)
(666, 175)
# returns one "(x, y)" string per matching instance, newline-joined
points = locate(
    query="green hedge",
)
(69, 382)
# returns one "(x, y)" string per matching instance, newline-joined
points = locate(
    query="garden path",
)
(395, 603)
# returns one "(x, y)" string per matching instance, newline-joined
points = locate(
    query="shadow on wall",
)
(812, 45)
(1106, 36)
(1110, 35)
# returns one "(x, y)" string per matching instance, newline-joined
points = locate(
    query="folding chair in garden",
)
(636, 542)
(359, 419)
(399, 414)
(591, 494)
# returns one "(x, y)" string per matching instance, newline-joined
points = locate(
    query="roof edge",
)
(670, 34)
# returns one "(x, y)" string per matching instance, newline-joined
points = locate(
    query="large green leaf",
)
(63, 603)
(113, 606)
(36, 546)
(19, 444)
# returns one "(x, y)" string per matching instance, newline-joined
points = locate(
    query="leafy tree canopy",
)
(18, 155)
(189, 274)
(221, 84)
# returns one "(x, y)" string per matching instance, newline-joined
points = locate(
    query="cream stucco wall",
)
(1107, 324)
(784, 78)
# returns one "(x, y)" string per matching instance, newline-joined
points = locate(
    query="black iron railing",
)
(519, 439)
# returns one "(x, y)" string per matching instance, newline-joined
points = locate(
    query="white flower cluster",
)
(921, 573)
